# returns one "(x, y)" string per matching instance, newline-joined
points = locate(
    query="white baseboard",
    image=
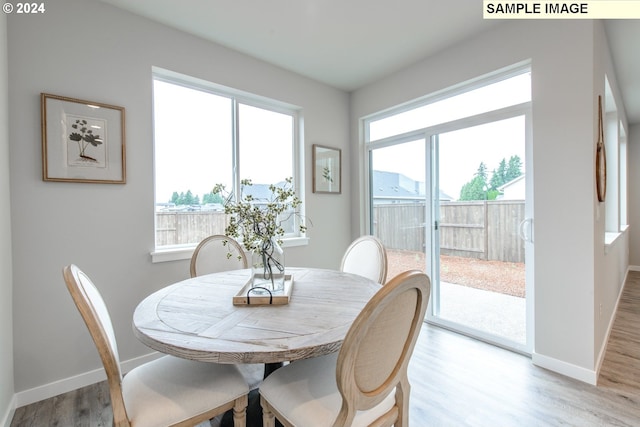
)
(605, 343)
(577, 372)
(567, 369)
(8, 416)
(55, 388)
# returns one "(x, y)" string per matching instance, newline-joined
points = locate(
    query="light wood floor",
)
(458, 381)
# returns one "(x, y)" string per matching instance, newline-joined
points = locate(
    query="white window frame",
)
(181, 252)
(367, 144)
(615, 204)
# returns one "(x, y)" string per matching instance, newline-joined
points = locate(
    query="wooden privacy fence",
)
(477, 229)
(185, 227)
(178, 228)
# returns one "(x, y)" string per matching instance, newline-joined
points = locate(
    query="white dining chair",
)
(370, 386)
(168, 391)
(366, 256)
(217, 253)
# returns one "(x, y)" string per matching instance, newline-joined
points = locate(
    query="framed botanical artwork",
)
(82, 141)
(327, 174)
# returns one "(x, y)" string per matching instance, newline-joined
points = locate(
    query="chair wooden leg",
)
(240, 411)
(268, 418)
(403, 391)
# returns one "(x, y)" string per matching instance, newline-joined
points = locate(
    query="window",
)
(616, 158)
(623, 178)
(205, 134)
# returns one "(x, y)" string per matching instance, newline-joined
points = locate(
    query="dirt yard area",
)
(503, 277)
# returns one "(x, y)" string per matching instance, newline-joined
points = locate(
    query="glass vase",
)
(267, 265)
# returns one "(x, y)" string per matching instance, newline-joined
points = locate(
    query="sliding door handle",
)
(525, 230)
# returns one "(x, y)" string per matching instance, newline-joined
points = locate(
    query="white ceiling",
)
(350, 43)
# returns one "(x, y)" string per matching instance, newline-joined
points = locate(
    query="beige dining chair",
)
(366, 256)
(168, 391)
(370, 386)
(217, 253)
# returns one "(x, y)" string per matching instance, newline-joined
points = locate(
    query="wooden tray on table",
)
(246, 297)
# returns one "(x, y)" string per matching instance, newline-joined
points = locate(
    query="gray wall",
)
(89, 50)
(634, 194)
(6, 299)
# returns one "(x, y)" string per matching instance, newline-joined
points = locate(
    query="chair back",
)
(366, 256)
(374, 356)
(94, 312)
(217, 253)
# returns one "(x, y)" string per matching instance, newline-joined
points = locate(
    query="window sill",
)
(610, 237)
(178, 253)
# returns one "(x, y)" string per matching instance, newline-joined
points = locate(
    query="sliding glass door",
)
(398, 201)
(454, 201)
(449, 186)
(482, 229)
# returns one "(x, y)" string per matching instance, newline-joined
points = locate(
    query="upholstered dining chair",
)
(217, 253)
(366, 256)
(168, 391)
(370, 386)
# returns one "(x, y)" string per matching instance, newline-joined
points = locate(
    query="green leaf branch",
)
(256, 221)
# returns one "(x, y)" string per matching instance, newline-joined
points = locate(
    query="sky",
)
(462, 151)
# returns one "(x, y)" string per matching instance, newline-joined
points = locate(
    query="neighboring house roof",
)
(445, 197)
(510, 183)
(394, 185)
(513, 190)
(259, 192)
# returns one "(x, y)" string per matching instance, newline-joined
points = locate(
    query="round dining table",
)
(196, 318)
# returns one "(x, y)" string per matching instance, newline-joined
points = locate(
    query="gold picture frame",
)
(327, 169)
(82, 141)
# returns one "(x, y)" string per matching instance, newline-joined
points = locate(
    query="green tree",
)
(211, 197)
(498, 176)
(492, 194)
(184, 198)
(188, 198)
(175, 198)
(476, 189)
(514, 169)
(479, 188)
(482, 172)
(473, 190)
